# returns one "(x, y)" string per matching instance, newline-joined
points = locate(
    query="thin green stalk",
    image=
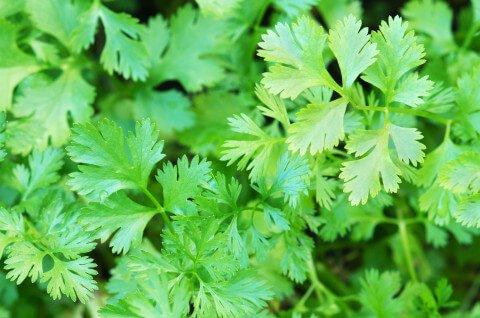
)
(300, 306)
(407, 111)
(470, 35)
(167, 222)
(160, 209)
(316, 283)
(402, 226)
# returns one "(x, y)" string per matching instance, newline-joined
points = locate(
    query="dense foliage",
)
(239, 158)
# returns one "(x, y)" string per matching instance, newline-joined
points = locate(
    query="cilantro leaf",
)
(15, 65)
(399, 53)
(378, 294)
(318, 127)
(2, 135)
(109, 161)
(119, 217)
(187, 54)
(258, 148)
(56, 17)
(433, 20)
(350, 45)
(55, 238)
(297, 50)
(362, 176)
(462, 175)
(182, 182)
(51, 102)
(170, 110)
(123, 51)
(42, 172)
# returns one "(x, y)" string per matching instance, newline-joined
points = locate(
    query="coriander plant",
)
(239, 158)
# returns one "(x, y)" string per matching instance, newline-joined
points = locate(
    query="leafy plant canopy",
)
(239, 158)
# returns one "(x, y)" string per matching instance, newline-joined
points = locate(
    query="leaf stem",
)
(406, 111)
(402, 227)
(316, 283)
(469, 37)
(167, 222)
(160, 209)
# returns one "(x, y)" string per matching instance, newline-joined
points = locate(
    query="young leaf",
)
(297, 50)
(51, 104)
(15, 65)
(119, 217)
(350, 45)
(182, 182)
(318, 127)
(399, 53)
(123, 52)
(362, 176)
(108, 161)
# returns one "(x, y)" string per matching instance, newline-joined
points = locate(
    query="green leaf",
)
(296, 255)
(274, 106)
(462, 175)
(378, 294)
(218, 8)
(119, 217)
(257, 149)
(362, 176)
(350, 45)
(109, 161)
(3, 125)
(297, 50)
(433, 20)
(72, 278)
(399, 53)
(182, 182)
(291, 178)
(243, 295)
(334, 10)
(42, 171)
(154, 299)
(468, 213)
(49, 251)
(318, 127)
(192, 39)
(170, 110)
(56, 17)
(293, 8)
(15, 65)
(211, 129)
(123, 51)
(51, 103)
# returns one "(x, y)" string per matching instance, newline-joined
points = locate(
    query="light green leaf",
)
(274, 106)
(123, 51)
(399, 53)
(15, 65)
(468, 213)
(362, 176)
(432, 19)
(182, 182)
(297, 52)
(56, 17)
(51, 103)
(192, 39)
(170, 110)
(350, 45)
(318, 127)
(378, 294)
(462, 175)
(119, 217)
(108, 161)
(42, 171)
